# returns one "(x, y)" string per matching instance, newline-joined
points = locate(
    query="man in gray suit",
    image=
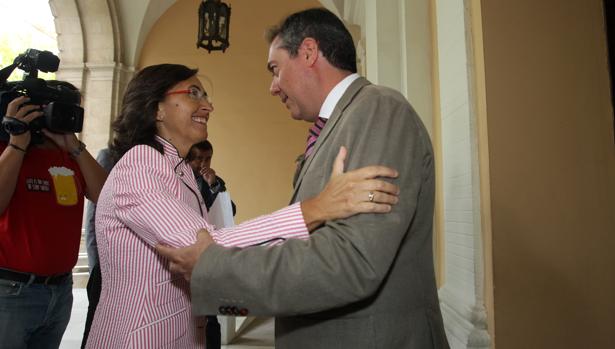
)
(366, 281)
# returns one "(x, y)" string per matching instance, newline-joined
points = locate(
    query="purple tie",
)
(313, 135)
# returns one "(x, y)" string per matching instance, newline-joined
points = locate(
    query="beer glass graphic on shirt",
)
(64, 185)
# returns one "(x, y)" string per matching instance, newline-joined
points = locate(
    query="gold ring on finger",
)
(370, 197)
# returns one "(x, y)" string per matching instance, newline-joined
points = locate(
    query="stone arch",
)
(152, 11)
(90, 50)
(70, 34)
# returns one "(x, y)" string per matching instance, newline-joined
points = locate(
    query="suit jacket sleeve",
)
(346, 260)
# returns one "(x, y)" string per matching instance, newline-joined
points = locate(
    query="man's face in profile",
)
(288, 76)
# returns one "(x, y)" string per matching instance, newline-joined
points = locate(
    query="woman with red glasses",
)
(151, 197)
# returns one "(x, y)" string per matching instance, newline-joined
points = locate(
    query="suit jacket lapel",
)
(337, 115)
(299, 162)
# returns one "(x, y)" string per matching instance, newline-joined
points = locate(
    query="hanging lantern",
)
(214, 25)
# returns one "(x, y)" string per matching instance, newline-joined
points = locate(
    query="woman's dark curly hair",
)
(136, 123)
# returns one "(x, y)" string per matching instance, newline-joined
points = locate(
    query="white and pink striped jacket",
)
(151, 198)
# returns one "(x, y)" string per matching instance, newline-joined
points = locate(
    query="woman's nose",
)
(207, 105)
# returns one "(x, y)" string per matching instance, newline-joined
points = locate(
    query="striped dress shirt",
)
(151, 198)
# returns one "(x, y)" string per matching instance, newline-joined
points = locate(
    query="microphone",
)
(45, 61)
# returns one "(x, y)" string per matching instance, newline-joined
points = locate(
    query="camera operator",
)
(41, 208)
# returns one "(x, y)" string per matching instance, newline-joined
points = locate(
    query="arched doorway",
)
(89, 49)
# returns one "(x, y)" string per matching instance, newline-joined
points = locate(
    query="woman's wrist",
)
(313, 216)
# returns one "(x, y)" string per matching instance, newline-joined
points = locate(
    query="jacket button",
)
(222, 310)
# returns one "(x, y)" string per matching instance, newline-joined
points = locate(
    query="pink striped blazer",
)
(151, 198)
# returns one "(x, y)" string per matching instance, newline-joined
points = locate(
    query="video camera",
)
(60, 100)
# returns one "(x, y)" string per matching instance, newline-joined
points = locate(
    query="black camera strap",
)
(14, 126)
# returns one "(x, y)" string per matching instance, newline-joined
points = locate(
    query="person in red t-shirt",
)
(41, 209)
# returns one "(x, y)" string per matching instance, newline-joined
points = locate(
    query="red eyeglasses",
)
(193, 92)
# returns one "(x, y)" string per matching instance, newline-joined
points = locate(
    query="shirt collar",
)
(335, 95)
(170, 152)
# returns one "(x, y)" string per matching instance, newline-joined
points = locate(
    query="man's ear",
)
(308, 51)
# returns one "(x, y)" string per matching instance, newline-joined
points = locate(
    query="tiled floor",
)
(258, 335)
